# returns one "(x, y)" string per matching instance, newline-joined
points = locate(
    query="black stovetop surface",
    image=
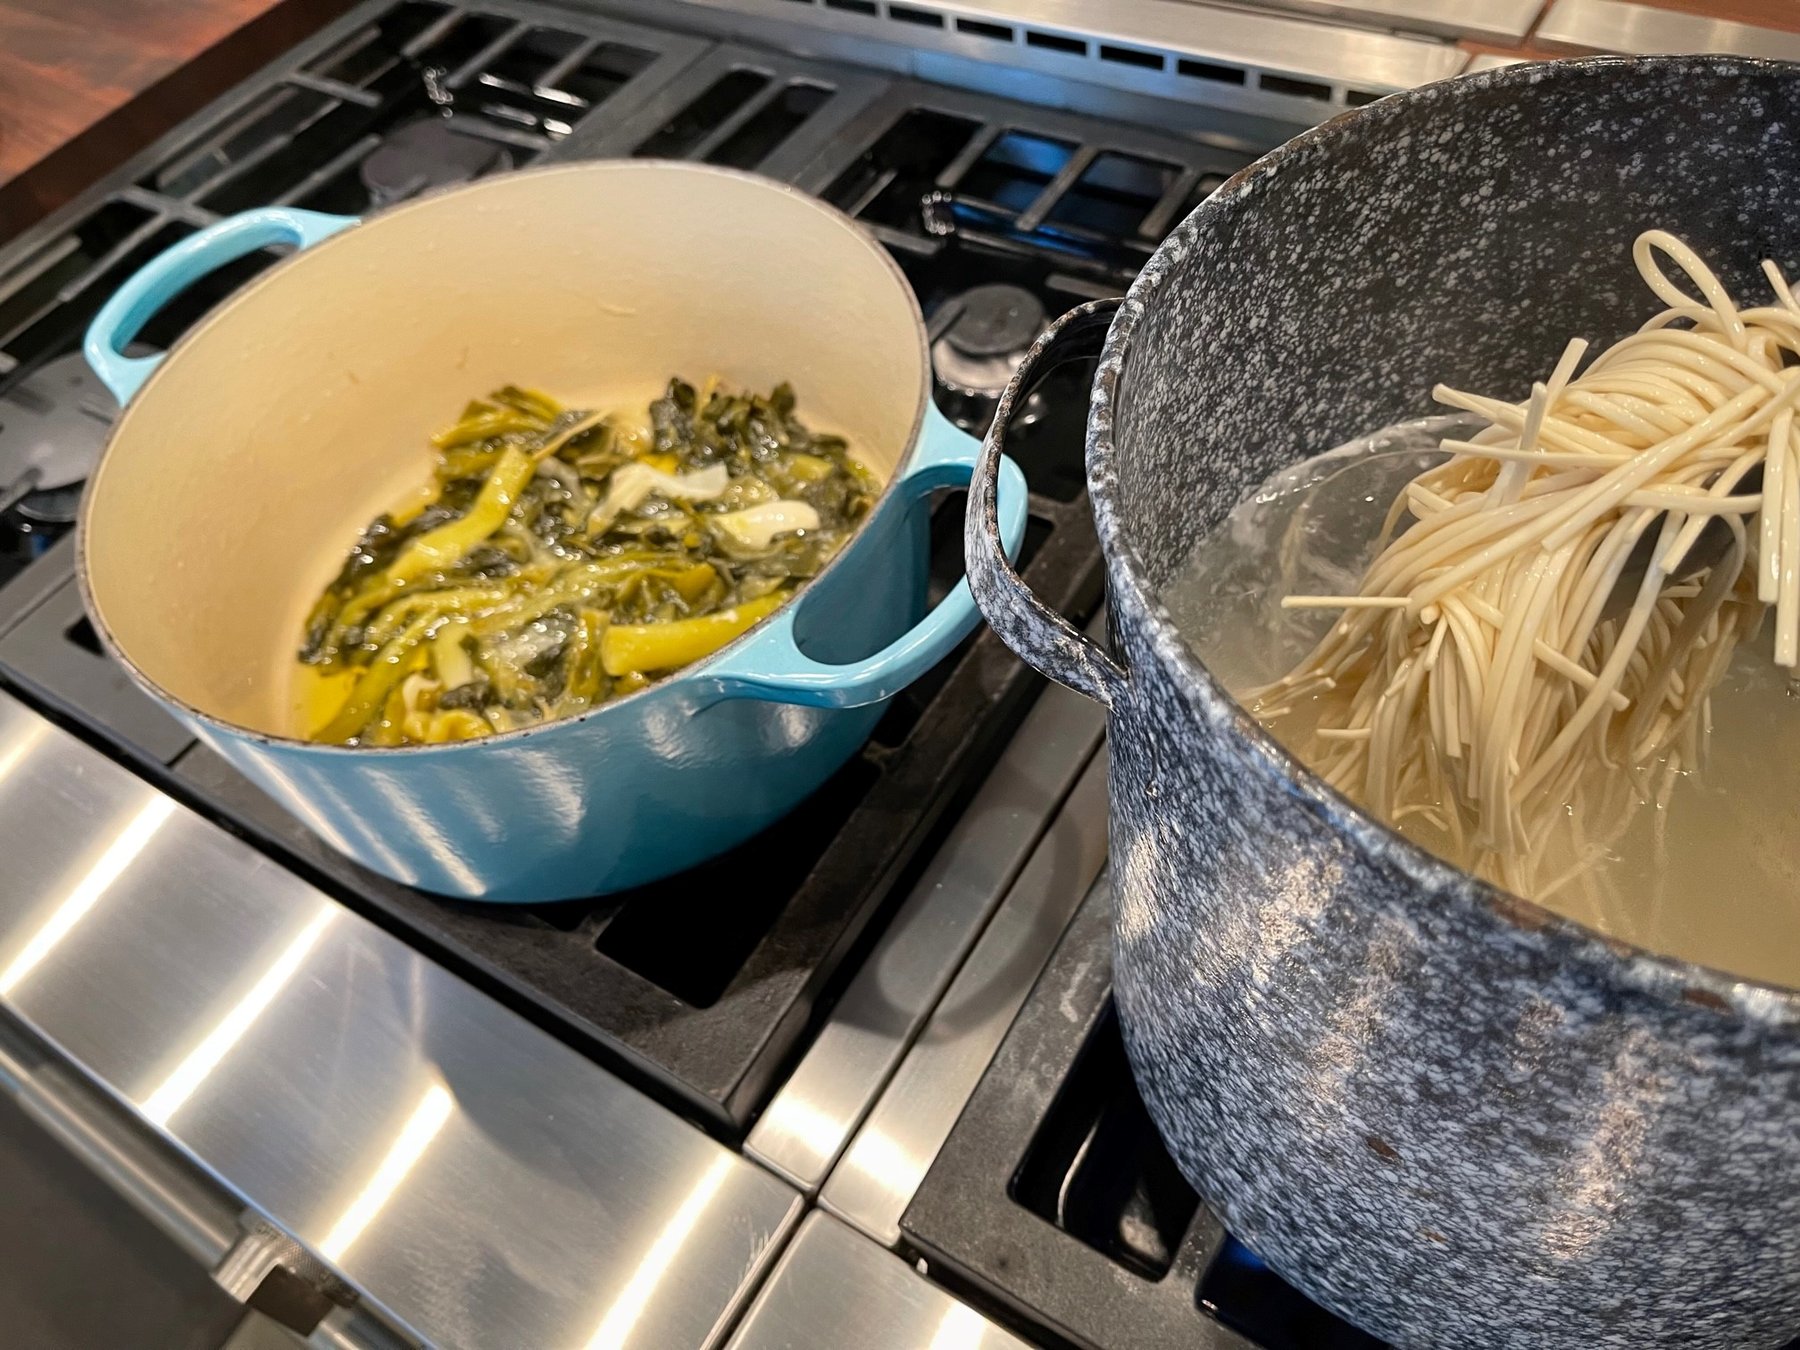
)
(966, 190)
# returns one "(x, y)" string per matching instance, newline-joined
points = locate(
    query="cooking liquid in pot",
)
(1710, 874)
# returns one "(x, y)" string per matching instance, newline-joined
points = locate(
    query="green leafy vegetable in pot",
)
(566, 557)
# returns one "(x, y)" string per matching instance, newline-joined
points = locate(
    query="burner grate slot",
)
(600, 74)
(82, 634)
(692, 934)
(442, 97)
(273, 153)
(683, 133)
(1015, 169)
(523, 62)
(778, 118)
(889, 179)
(266, 127)
(374, 50)
(1253, 1300)
(545, 77)
(57, 327)
(31, 293)
(1115, 195)
(1097, 1170)
(457, 52)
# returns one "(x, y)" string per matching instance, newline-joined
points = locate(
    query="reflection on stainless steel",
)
(808, 1123)
(1358, 58)
(22, 745)
(626, 1311)
(415, 1137)
(889, 1156)
(224, 1034)
(1646, 30)
(961, 1328)
(480, 1182)
(1496, 20)
(834, 1290)
(73, 907)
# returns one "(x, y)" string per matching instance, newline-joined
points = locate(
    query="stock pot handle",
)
(771, 666)
(1040, 635)
(175, 269)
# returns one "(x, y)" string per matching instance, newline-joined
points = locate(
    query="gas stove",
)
(996, 226)
(860, 1073)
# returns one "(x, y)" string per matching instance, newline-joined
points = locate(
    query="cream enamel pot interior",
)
(299, 409)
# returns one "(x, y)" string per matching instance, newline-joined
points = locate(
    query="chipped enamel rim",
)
(1666, 978)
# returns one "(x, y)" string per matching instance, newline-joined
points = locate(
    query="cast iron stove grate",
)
(701, 987)
(1054, 1200)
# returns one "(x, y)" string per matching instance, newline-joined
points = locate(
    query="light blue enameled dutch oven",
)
(247, 462)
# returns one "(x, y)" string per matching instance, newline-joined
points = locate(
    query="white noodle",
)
(1478, 680)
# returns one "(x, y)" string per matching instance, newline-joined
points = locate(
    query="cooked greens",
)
(570, 557)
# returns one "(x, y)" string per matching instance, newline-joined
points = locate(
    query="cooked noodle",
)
(1479, 680)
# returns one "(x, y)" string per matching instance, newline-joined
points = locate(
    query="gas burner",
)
(983, 335)
(53, 425)
(427, 154)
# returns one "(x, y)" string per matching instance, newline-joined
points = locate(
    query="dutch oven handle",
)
(1045, 639)
(173, 270)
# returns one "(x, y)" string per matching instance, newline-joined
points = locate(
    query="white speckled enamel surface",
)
(1447, 1115)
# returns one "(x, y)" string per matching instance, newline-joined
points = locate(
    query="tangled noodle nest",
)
(1482, 679)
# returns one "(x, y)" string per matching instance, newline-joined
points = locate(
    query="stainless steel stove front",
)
(482, 1183)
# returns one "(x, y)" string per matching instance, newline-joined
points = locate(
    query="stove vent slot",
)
(1204, 76)
(1055, 42)
(999, 32)
(1131, 56)
(923, 18)
(1209, 70)
(1286, 84)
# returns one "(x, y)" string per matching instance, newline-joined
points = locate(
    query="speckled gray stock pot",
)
(1442, 1112)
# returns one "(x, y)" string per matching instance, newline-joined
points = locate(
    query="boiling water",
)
(1711, 875)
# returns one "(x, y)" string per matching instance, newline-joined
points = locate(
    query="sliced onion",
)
(631, 484)
(755, 527)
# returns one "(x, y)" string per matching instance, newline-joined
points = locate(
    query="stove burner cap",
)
(993, 329)
(426, 154)
(53, 425)
(997, 320)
